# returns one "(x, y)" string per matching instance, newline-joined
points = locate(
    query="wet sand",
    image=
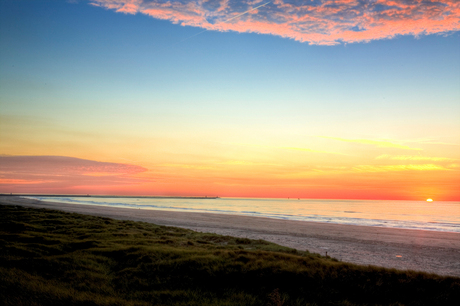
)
(428, 251)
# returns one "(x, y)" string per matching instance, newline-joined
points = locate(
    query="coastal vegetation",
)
(50, 257)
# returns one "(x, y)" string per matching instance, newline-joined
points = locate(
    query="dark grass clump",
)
(54, 258)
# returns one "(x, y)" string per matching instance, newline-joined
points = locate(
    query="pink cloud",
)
(322, 22)
(29, 174)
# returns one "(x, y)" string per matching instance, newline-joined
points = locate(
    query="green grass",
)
(50, 257)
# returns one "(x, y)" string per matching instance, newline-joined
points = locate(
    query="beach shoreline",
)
(404, 249)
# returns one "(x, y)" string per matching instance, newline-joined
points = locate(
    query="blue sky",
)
(103, 51)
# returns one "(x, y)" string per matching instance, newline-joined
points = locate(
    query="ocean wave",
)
(273, 209)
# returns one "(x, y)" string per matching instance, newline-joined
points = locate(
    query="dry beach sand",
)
(429, 251)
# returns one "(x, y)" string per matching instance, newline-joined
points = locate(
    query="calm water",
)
(436, 216)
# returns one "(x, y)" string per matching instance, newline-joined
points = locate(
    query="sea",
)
(420, 215)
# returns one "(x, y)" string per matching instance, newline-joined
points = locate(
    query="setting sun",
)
(429, 200)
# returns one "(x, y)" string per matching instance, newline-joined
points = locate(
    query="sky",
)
(325, 99)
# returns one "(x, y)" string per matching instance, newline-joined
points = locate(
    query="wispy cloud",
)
(246, 163)
(217, 165)
(309, 150)
(188, 166)
(332, 171)
(287, 148)
(415, 158)
(432, 142)
(60, 172)
(424, 167)
(63, 164)
(377, 143)
(322, 22)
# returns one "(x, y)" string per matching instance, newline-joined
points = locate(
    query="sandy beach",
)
(429, 251)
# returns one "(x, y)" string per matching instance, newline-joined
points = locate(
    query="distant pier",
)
(102, 196)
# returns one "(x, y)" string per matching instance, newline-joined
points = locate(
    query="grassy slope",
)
(54, 258)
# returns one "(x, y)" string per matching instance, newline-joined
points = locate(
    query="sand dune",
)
(429, 251)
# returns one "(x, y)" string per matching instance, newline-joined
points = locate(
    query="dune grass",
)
(50, 257)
